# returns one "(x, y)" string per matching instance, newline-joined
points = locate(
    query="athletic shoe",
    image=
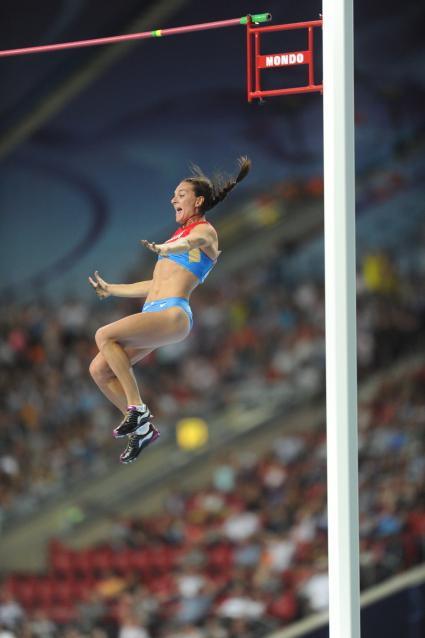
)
(137, 442)
(132, 421)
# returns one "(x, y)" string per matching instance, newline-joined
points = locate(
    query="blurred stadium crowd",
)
(247, 554)
(254, 337)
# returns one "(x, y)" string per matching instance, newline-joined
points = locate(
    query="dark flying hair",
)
(214, 190)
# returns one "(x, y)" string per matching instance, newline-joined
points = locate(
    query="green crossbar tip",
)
(257, 17)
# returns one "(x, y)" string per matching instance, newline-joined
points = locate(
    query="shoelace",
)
(132, 440)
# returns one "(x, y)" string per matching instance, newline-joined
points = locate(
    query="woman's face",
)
(185, 202)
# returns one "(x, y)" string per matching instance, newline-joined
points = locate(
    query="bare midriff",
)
(171, 280)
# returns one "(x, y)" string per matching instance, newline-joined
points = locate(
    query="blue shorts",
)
(169, 302)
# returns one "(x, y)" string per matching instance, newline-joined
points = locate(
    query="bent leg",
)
(108, 383)
(141, 331)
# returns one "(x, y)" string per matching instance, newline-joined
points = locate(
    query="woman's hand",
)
(100, 286)
(159, 249)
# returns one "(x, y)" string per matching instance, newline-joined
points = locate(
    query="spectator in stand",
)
(91, 609)
(110, 585)
(12, 615)
(315, 590)
(130, 628)
(188, 631)
(241, 524)
(195, 607)
(277, 555)
(238, 603)
(41, 626)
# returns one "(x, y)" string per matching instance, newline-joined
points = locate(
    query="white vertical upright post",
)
(340, 286)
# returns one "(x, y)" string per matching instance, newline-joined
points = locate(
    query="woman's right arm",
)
(139, 289)
(103, 289)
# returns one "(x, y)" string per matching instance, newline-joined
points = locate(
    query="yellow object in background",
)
(191, 433)
(379, 273)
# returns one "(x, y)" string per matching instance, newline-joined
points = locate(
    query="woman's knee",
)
(102, 336)
(99, 370)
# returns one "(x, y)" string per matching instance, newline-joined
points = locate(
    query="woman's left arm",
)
(198, 238)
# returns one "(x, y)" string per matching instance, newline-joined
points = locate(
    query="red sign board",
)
(274, 60)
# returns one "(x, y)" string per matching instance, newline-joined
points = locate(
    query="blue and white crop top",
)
(195, 260)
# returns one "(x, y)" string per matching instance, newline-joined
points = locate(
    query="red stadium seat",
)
(410, 549)
(122, 561)
(12, 584)
(162, 585)
(102, 559)
(80, 588)
(26, 591)
(285, 608)
(83, 564)
(61, 614)
(64, 592)
(45, 591)
(62, 560)
(161, 560)
(220, 557)
(141, 560)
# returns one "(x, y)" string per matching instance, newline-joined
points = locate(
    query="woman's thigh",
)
(146, 330)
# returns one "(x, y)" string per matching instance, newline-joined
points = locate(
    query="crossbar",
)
(78, 44)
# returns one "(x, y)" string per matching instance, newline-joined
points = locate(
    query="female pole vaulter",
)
(184, 261)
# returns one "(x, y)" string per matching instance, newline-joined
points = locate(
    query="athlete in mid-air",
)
(184, 261)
